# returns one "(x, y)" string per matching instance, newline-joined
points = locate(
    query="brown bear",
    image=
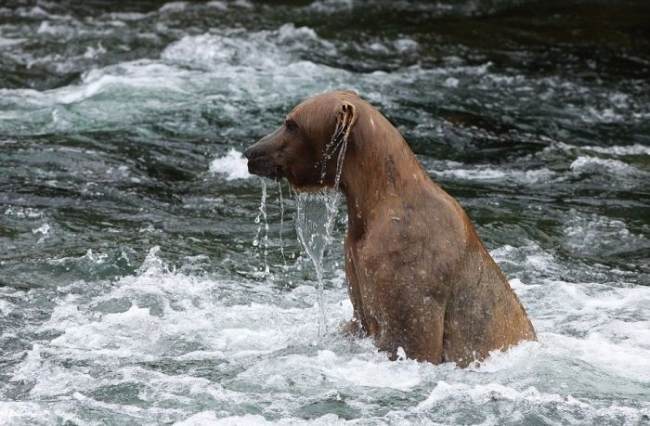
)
(419, 276)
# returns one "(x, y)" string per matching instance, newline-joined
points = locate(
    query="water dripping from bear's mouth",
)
(259, 219)
(315, 216)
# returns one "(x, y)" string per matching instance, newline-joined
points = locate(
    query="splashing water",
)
(262, 217)
(281, 199)
(315, 216)
(316, 213)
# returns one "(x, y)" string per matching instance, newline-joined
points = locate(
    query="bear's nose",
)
(249, 152)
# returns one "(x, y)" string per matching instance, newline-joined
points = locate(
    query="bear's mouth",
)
(259, 167)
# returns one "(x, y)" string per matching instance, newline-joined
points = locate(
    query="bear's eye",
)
(291, 125)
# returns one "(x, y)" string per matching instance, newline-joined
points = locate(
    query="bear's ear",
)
(346, 117)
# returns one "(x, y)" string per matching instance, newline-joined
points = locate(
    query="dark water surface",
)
(137, 286)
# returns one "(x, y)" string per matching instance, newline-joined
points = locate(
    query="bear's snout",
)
(261, 161)
(251, 153)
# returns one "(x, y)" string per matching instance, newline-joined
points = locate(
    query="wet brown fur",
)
(419, 276)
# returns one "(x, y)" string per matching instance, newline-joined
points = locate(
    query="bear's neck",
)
(379, 181)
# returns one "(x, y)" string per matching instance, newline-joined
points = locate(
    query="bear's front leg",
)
(417, 328)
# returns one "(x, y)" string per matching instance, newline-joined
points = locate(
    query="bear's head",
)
(308, 149)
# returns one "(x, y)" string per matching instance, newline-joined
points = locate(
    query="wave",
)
(234, 72)
(237, 73)
(456, 170)
(636, 149)
(156, 333)
(262, 50)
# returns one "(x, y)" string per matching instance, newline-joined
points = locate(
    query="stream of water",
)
(315, 217)
(138, 288)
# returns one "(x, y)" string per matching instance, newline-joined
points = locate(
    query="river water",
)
(140, 282)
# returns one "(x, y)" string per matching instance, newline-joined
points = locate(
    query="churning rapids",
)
(138, 287)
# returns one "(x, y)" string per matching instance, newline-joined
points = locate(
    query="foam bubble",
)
(233, 165)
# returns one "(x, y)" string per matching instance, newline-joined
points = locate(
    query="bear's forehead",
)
(325, 100)
(314, 107)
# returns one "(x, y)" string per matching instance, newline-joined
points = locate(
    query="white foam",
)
(457, 170)
(168, 318)
(620, 359)
(595, 322)
(636, 149)
(38, 12)
(244, 4)
(404, 375)
(32, 413)
(604, 115)
(238, 330)
(55, 30)
(331, 6)
(264, 50)
(210, 418)
(233, 165)
(406, 45)
(138, 76)
(213, 50)
(4, 42)
(594, 233)
(521, 403)
(587, 164)
(6, 307)
(451, 82)
(235, 70)
(482, 394)
(44, 229)
(128, 16)
(23, 212)
(176, 6)
(217, 5)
